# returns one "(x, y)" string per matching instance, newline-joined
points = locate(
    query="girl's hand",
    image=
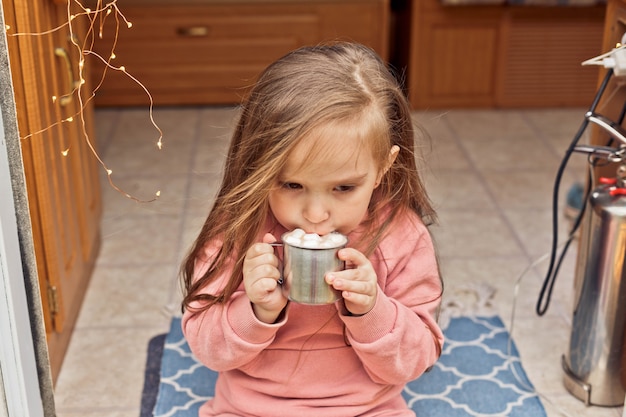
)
(260, 279)
(358, 285)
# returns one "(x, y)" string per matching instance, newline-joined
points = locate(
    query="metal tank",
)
(594, 363)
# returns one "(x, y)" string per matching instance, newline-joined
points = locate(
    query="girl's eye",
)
(344, 188)
(291, 186)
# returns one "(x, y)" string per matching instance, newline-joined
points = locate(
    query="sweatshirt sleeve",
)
(400, 338)
(226, 336)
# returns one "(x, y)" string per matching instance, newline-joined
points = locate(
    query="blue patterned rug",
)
(475, 376)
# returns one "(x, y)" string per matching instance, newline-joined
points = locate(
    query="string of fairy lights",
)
(97, 17)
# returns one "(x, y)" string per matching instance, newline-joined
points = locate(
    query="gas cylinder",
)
(594, 365)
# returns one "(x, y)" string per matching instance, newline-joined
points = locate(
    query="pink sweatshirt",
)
(318, 361)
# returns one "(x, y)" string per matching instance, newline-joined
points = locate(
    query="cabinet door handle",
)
(193, 31)
(67, 98)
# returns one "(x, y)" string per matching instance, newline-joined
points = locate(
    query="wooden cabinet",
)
(452, 55)
(61, 171)
(209, 52)
(501, 56)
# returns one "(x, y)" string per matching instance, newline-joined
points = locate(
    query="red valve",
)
(607, 180)
(617, 191)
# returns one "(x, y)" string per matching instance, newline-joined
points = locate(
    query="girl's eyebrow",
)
(353, 179)
(348, 179)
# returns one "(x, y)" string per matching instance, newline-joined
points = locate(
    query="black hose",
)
(548, 284)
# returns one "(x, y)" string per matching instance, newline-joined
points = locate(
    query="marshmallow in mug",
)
(301, 239)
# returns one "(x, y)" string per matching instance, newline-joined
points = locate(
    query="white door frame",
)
(20, 392)
(17, 353)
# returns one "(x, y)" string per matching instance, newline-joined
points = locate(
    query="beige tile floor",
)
(490, 174)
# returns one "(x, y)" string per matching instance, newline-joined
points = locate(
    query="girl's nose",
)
(316, 212)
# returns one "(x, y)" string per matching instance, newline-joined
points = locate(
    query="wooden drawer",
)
(168, 23)
(209, 53)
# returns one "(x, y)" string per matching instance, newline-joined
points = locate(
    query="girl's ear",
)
(393, 154)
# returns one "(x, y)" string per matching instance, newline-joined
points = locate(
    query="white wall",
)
(3, 399)
(21, 395)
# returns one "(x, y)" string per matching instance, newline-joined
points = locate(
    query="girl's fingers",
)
(367, 287)
(259, 254)
(269, 238)
(353, 256)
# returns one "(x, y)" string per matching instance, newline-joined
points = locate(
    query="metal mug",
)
(304, 270)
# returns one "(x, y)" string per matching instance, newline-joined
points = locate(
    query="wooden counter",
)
(209, 52)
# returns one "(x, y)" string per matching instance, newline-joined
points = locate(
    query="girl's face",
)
(327, 183)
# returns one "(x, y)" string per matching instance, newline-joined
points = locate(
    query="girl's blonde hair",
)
(308, 88)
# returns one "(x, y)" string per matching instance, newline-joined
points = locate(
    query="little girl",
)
(324, 143)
